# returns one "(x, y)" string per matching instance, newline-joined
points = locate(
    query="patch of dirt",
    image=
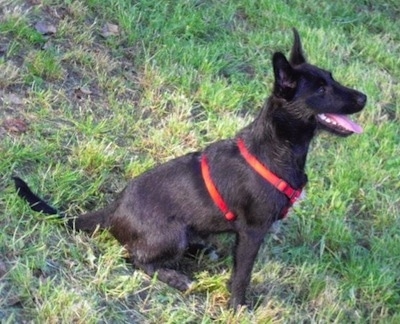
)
(15, 125)
(11, 120)
(81, 83)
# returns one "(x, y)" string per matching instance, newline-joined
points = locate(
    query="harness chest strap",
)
(213, 191)
(291, 193)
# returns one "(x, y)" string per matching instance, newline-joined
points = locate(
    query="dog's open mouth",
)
(339, 123)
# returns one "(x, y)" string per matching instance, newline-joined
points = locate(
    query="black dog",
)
(239, 185)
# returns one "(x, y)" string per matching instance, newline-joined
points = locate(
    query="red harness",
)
(291, 193)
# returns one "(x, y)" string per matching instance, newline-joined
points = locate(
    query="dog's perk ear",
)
(285, 77)
(297, 56)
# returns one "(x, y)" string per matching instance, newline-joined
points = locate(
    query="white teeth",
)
(327, 120)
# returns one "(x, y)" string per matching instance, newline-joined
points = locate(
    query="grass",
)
(99, 109)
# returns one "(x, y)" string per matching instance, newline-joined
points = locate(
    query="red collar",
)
(291, 193)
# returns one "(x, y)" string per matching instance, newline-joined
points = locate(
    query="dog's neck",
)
(280, 137)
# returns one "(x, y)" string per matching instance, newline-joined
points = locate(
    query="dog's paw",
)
(184, 283)
(175, 279)
(237, 306)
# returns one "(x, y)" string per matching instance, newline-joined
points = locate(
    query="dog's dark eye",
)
(321, 89)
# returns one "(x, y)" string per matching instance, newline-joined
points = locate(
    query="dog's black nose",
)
(362, 99)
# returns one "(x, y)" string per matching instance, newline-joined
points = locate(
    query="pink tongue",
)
(346, 123)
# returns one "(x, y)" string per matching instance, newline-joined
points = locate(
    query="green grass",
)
(178, 75)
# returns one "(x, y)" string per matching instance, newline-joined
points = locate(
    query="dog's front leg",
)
(246, 249)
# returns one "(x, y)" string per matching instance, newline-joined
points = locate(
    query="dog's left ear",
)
(296, 55)
(285, 77)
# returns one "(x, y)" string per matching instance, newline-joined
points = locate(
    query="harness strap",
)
(280, 184)
(213, 191)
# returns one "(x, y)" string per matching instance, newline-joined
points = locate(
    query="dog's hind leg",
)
(171, 277)
(154, 264)
(156, 254)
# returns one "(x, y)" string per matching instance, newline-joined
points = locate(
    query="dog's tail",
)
(86, 222)
(36, 203)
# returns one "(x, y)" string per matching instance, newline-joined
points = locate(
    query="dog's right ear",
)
(285, 77)
(296, 55)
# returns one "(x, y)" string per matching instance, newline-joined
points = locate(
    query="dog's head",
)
(325, 100)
